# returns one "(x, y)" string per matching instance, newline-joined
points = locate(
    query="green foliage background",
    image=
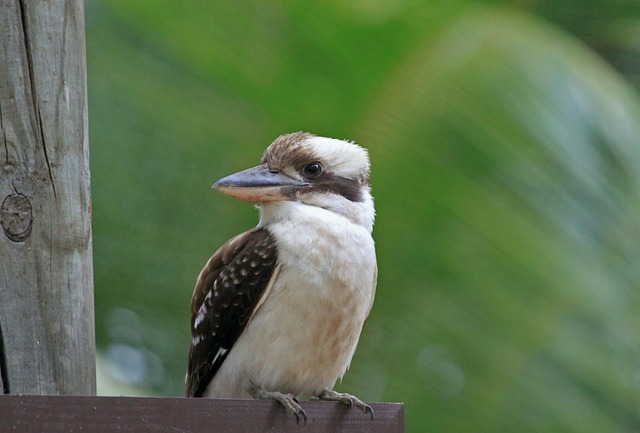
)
(506, 170)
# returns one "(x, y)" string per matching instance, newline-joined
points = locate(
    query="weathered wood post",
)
(46, 274)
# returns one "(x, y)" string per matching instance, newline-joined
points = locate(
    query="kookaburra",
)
(277, 311)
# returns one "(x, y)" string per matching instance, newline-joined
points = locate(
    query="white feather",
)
(303, 337)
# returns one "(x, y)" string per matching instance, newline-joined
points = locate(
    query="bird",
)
(278, 310)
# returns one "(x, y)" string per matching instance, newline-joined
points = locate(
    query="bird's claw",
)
(288, 401)
(348, 399)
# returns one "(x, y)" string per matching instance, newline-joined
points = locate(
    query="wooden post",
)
(46, 275)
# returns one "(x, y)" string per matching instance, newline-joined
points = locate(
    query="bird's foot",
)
(348, 399)
(289, 401)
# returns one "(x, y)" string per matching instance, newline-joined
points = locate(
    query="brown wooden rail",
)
(57, 414)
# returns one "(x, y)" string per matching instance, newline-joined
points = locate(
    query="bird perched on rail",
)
(277, 311)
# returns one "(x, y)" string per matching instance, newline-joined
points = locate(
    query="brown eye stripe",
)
(348, 188)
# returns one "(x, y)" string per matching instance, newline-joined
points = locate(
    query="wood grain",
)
(46, 275)
(132, 414)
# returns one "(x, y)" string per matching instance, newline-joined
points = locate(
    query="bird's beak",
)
(259, 185)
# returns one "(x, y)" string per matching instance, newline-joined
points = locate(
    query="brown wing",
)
(227, 293)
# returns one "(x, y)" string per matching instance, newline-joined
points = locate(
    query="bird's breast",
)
(319, 302)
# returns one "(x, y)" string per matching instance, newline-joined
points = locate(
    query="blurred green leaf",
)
(508, 197)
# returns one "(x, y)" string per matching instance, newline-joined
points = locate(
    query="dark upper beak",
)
(259, 185)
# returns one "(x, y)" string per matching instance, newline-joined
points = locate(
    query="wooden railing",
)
(65, 414)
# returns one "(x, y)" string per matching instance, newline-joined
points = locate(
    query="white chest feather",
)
(302, 338)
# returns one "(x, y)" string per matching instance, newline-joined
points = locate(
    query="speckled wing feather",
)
(228, 291)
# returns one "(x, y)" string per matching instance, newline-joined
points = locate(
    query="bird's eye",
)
(312, 170)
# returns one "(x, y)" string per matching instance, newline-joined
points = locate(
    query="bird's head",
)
(316, 171)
